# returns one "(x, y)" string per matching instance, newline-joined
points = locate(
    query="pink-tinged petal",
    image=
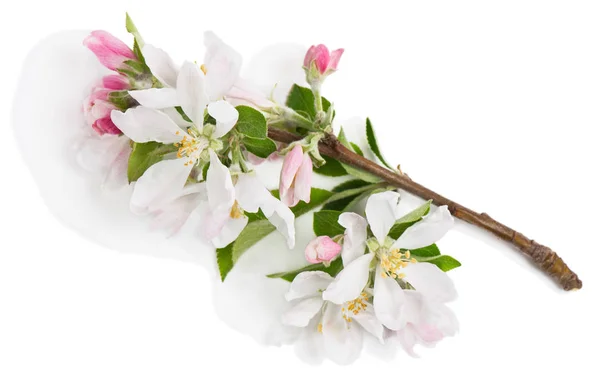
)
(303, 180)
(115, 82)
(291, 164)
(320, 56)
(335, 59)
(310, 56)
(113, 43)
(110, 51)
(105, 126)
(322, 249)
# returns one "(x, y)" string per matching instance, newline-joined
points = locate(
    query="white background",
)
(493, 104)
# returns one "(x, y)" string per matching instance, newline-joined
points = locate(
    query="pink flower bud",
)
(111, 51)
(322, 249)
(296, 177)
(116, 82)
(97, 109)
(324, 62)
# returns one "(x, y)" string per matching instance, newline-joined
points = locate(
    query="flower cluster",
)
(188, 139)
(382, 291)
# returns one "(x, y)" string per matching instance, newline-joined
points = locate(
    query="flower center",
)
(393, 261)
(236, 211)
(190, 147)
(354, 307)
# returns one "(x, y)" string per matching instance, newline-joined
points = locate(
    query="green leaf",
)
(144, 155)
(429, 251)
(251, 122)
(138, 41)
(334, 268)
(302, 100)
(225, 260)
(355, 172)
(331, 168)
(372, 140)
(253, 232)
(444, 262)
(357, 149)
(317, 198)
(342, 203)
(325, 223)
(259, 147)
(409, 219)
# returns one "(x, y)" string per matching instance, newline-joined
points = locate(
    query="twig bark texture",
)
(546, 259)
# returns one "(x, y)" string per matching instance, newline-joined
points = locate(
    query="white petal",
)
(222, 64)
(343, 343)
(354, 237)
(274, 70)
(142, 125)
(350, 282)
(161, 65)
(430, 281)
(191, 92)
(382, 213)
(251, 195)
(308, 284)
(427, 231)
(161, 183)
(282, 217)
(230, 231)
(226, 116)
(97, 153)
(388, 300)
(156, 98)
(177, 117)
(309, 346)
(219, 186)
(369, 322)
(302, 312)
(174, 215)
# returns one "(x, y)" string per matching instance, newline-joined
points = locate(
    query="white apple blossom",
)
(164, 181)
(225, 218)
(221, 66)
(393, 268)
(335, 330)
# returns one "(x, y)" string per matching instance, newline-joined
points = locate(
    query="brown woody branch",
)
(546, 259)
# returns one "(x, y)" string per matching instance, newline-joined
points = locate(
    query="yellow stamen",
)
(393, 261)
(355, 307)
(203, 68)
(236, 211)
